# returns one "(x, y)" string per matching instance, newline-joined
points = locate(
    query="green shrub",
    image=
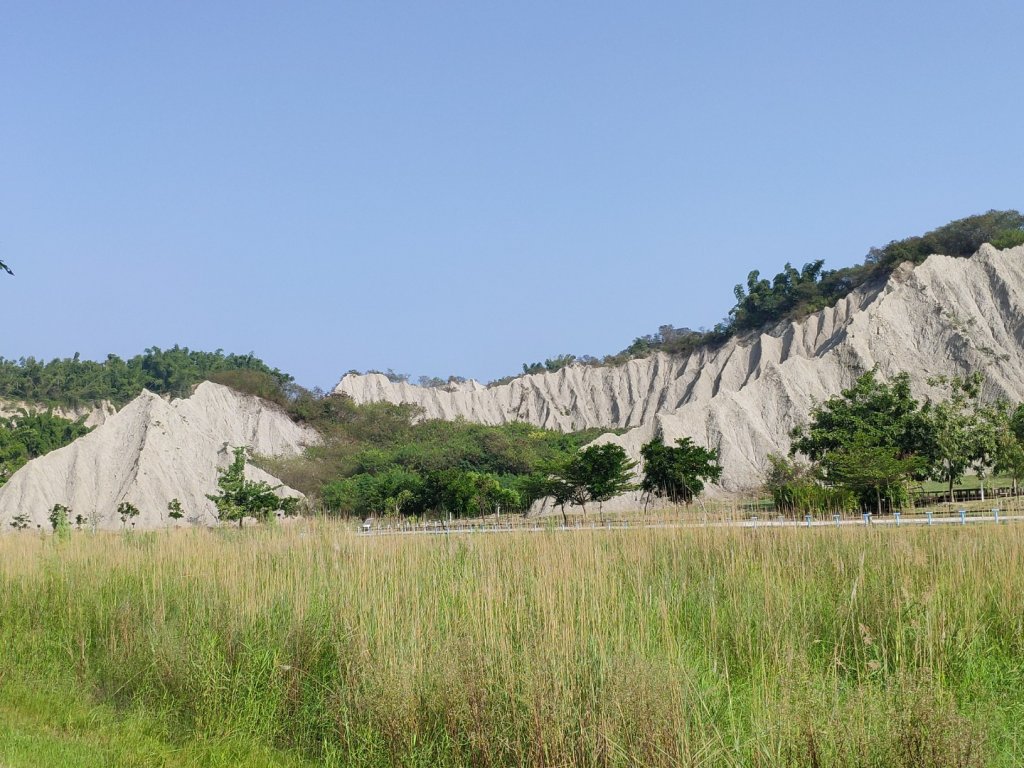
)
(1010, 238)
(60, 521)
(809, 498)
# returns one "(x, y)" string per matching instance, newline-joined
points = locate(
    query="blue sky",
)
(456, 188)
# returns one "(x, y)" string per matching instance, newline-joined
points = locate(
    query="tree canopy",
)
(874, 436)
(961, 238)
(30, 434)
(595, 474)
(875, 470)
(678, 472)
(240, 497)
(869, 439)
(380, 458)
(963, 430)
(1008, 433)
(884, 413)
(74, 382)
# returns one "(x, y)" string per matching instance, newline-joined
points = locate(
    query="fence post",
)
(963, 517)
(897, 516)
(807, 519)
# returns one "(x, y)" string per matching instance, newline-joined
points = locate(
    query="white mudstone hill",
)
(945, 316)
(149, 452)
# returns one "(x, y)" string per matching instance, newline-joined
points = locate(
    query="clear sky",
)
(456, 188)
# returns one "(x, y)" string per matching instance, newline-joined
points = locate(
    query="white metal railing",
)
(960, 516)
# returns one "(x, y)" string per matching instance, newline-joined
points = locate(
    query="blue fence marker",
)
(807, 519)
(929, 517)
(897, 515)
(995, 514)
(963, 517)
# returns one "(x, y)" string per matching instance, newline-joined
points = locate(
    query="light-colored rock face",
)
(946, 316)
(149, 452)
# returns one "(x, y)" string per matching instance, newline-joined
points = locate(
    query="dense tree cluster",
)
(73, 381)
(868, 442)
(596, 474)
(668, 339)
(678, 472)
(961, 238)
(28, 435)
(793, 293)
(380, 458)
(551, 365)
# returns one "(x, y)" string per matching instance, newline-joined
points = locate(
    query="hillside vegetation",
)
(377, 458)
(29, 434)
(74, 382)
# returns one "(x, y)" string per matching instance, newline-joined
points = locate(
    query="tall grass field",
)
(311, 645)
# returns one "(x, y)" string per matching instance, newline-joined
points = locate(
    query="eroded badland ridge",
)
(945, 316)
(948, 315)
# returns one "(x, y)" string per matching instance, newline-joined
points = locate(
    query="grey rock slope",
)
(946, 315)
(149, 452)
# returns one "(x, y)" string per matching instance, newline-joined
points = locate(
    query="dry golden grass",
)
(690, 647)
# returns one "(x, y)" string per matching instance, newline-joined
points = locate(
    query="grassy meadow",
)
(310, 645)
